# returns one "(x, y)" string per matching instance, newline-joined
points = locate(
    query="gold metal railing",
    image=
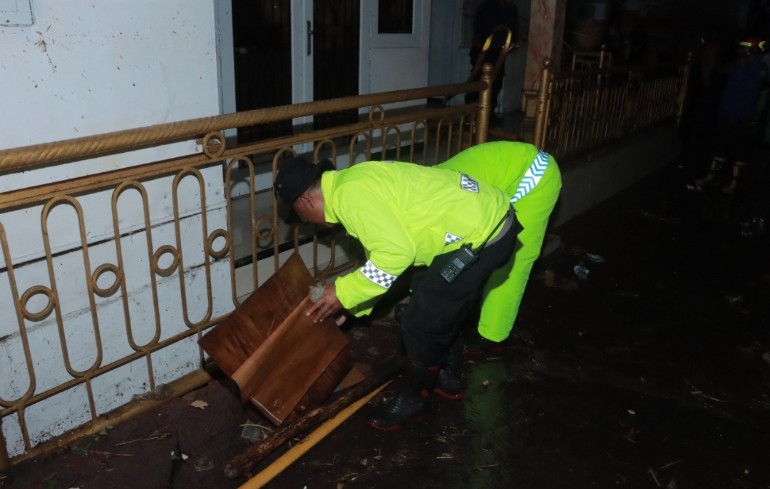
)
(581, 110)
(102, 273)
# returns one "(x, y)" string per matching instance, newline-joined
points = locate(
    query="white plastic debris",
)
(595, 258)
(316, 293)
(252, 432)
(581, 272)
(181, 456)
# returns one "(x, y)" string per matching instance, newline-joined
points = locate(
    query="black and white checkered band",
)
(467, 183)
(383, 279)
(451, 238)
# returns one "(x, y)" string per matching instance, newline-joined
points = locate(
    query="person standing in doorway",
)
(490, 15)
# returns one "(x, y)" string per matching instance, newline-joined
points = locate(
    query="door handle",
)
(310, 33)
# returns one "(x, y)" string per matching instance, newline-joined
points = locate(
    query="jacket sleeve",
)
(389, 252)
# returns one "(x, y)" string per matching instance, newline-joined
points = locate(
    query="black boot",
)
(448, 383)
(409, 403)
(402, 409)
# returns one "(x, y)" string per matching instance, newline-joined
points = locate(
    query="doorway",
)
(294, 51)
(335, 60)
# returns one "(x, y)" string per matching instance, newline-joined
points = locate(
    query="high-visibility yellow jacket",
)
(499, 163)
(405, 214)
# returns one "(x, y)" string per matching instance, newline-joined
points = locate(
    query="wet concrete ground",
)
(652, 371)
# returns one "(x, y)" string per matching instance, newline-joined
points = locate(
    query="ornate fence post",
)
(485, 109)
(604, 56)
(543, 104)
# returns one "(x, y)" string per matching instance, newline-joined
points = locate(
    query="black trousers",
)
(430, 321)
(497, 83)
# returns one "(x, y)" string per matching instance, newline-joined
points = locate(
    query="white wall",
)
(447, 63)
(84, 68)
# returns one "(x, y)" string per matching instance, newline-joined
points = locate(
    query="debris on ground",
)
(738, 303)
(155, 435)
(595, 258)
(159, 393)
(179, 456)
(203, 464)
(252, 431)
(654, 477)
(199, 404)
(581, 272)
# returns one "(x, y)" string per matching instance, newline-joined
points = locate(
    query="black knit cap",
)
(295, 175)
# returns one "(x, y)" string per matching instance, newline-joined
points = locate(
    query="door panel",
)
(335, 57)
(262, 44)
(319, 58)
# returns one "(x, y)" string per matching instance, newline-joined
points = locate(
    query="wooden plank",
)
(233, 340)
(282, 362)
(278, 374)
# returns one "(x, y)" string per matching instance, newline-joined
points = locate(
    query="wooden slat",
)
(277, 375)
(281, 360)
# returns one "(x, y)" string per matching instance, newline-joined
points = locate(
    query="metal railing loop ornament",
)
(101, 270)
(224, 250)
(31, 292)
(214, 144)
(171, 268)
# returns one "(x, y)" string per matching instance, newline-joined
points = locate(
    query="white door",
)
(302, 25)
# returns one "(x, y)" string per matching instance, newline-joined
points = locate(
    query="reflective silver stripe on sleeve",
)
(533, 175)
(379, 277)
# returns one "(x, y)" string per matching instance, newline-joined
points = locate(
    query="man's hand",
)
(326, 305)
